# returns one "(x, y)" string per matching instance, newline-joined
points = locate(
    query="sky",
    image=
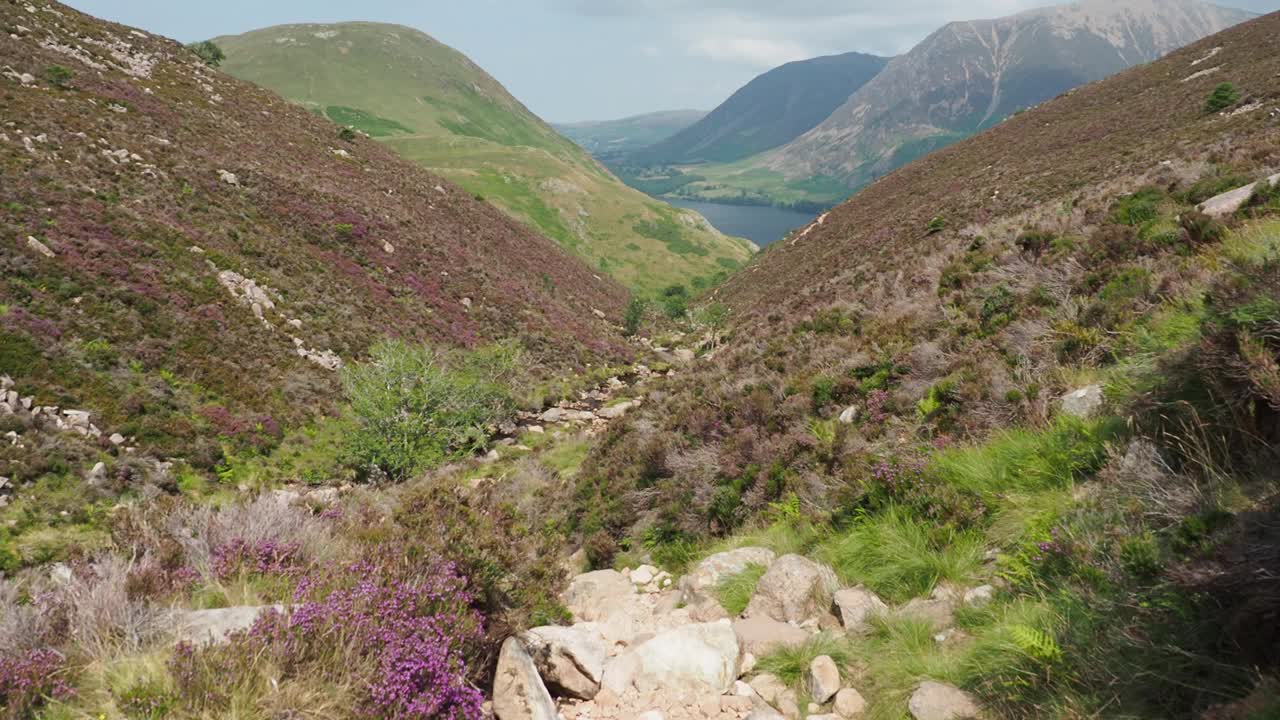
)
(572, 60)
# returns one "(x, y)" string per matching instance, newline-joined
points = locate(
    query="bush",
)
(1138, 208)
(936, 225)
(417, 407)
(346, 134)
(675, 301)
(58, 75)
(27, 680)
(209, 52)
(634, 316)
(1222, 97)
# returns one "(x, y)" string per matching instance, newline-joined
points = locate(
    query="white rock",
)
(849, 415)
(795, 589)
(215, 626)
(518, 690)
(708, 574)
(97, 477)
(1229, 202)
(569, 659)
(696, 658)
(824, 679)
(684, 355)
(764, 635)
(1083, 403)
(857, 605)
(643, 575)
(651, 715)
(39, 247)
(768, 686)
(936, 701)
(228, 177)
(613, 412)
(850, 704)
(980, 596)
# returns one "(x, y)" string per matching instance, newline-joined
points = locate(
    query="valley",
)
(334, 383)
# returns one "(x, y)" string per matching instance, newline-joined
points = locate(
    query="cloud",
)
(754, 51)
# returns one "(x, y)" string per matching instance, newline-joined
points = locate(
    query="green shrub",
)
(823, 393)
(346, 134)
(936, 225)
(1138, 208)
(735, 591)
(417, 407)
(634, 316)
(209, 52)
(58, 75)
(900, 557)
(998, 309)
(675, 301)
(1223, 96)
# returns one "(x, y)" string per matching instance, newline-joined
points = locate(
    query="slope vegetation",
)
(435, 107)
(1025, 371)
(608, 139)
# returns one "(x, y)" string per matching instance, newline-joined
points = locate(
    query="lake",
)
(761, 225)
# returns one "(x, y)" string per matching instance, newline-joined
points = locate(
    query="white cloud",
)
(758, 52)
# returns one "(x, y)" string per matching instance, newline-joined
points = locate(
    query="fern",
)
(1036, 643)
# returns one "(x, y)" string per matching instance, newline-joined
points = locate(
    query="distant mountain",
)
(434, 106)
(769, 111)
(971, 75)
(611, 137)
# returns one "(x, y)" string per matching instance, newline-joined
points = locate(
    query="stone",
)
(593, 596)
(643, 575)
(748, 661)
(228, 177)
(116, 439)
(1229, 202)
(849, 415)
(857, 605)
(788, 704)
(1083, 403)
(6, 382)
(696, 658)
(613, 412)
(200, 627)
(768, 686)
(651, 715)
(938, 609)
(518, 690)
(97, 477)
(684, 355)
(824, 679)
(795, 589)
(828, 716)
(763, 635)
(569, 659)
(766, 713)
(39, 247)
(702, 581)
(980, 596)
(849, 704)
(937, 701)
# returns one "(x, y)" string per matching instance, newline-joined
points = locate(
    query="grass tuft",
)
(734, 592)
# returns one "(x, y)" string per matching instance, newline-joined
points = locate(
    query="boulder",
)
(684, 355)
(938, 609)
(849, 704)
(857, 605)
(1229, 202)
(795, 589)
(613, 412)
(200, 627)
(569, 659)
(594, 596)
(936, 701)
(1083, 403)
(849, 415)
(702, 581)
(768, 686)
(643, 575)
(697, 658)
(980, 596)
(518, 691)
(763, 635)
(97, 477)
(765, 713)
(824, 679)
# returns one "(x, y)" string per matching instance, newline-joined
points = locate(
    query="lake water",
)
(761, 225)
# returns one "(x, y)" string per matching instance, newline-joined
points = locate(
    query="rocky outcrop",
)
(701, 582)
(569, 659)
(1083, 403)
(693, 659)
(1229, 202)
(795, 589)
(200, 627)
(763, 635)
(937, 701)
(518, 690)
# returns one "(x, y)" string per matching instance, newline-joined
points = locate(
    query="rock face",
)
(569, 659)
(215, 626)
(692, 659)
(763, 635)
(1229, 202)
(795, 589)
(857, 606)
(936, 701)
(1083, 403)
(824, 679)
(518, 691)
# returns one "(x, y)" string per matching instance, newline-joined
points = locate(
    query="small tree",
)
(634, 316)
(209, 52)
(1222, 97)
(675, 301)
(715, 316)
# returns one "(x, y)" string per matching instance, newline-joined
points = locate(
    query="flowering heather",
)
(876, 402)
(26, 681)
(399, 631)
(265, 557)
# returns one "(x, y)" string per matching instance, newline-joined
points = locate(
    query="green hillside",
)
(607, 138)
(434, 106)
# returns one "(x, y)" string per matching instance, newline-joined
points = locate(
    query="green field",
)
(437, 108)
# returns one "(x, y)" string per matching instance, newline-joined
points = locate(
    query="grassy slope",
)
(434, 106)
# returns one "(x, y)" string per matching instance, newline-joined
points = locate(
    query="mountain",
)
(769, 111)
(1010, 364)
(609, 138)
(186, 254)
(963, 78)
(434, 106)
